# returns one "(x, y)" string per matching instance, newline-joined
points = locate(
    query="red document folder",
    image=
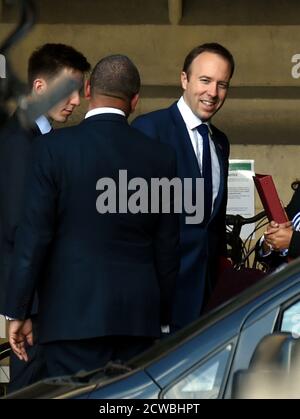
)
(269, 198)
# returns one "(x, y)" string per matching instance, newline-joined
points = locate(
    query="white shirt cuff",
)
(261, 252)
(165, 329)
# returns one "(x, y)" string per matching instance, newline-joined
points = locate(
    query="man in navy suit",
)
(186, 125)
(105, 277)
(46, 64)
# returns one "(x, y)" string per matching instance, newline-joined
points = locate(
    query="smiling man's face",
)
(206, 84)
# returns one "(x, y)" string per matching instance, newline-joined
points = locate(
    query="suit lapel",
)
(187, 161)
(32, 131)
(219, 151)
(186, 156)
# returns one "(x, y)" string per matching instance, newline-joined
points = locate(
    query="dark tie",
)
(206, 171)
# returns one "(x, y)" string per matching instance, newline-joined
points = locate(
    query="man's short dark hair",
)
(49, 59)
(212, 47)
(115, 76)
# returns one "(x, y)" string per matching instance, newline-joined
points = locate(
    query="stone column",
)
(175, 11)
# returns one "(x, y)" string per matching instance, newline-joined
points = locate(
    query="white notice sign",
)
(2, 327)
(241, 192)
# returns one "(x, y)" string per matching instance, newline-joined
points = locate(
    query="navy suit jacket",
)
(96, 274)
(200, 244)
(292, 209)
(16, 147)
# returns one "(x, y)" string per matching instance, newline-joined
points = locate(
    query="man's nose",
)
(213, 89)
(75, 98)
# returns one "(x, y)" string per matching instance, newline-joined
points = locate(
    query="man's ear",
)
(134, 102)
(87, 89)
(184, 80)
(39, 86)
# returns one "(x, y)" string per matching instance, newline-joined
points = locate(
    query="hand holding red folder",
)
(279, 235)
(269, 198)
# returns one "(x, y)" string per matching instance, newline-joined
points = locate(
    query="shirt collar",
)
(191, 120)
(43, 124)
(98, 111)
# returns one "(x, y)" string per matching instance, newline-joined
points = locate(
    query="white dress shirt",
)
(98, 111)
(43, 124)
(192, 122)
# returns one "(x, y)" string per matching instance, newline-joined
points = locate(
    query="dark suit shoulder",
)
(154, 117)
(153, 151)
(59, 140)
(59, 134)
(154, 123)
(155, 143)
(67, 140)
(13, 128)
(221, 138)
(52, 145)
(294, 205)
(218, 132)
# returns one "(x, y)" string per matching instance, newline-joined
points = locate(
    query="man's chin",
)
(62, 118)
(206, 115)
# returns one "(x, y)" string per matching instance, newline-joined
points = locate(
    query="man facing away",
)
(104, 279)
(202, 151)
(45, 66)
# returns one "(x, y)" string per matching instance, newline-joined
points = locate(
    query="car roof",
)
(244, 302)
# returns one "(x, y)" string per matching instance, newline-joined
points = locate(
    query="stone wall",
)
(261, 112)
